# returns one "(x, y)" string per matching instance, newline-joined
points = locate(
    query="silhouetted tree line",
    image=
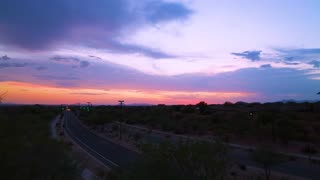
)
(278, 122)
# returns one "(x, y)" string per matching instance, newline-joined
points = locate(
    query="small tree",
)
(265, 156)
(203, 107)
(228, 104)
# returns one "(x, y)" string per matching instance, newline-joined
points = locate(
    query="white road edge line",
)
(91, 148)
(86, 151)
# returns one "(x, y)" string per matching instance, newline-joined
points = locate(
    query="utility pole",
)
(121, 118)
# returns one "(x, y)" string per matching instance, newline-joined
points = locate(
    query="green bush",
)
(184, 161)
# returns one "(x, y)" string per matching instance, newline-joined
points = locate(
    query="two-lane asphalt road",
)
(109, 153)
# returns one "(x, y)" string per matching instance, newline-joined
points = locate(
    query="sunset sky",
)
(159, 51)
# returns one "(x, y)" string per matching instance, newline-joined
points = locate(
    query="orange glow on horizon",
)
(27, 93)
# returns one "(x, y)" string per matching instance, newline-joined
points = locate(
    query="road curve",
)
(110, 154)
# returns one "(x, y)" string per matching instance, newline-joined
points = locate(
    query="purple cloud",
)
(41, 68)
(43, 24)
(13, 65)
(75, 62)
(5, 58)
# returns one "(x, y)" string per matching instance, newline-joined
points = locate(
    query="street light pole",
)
(121, 118)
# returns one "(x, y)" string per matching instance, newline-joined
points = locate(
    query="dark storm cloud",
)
(251, 55)
(42, 24)
(35, 24)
